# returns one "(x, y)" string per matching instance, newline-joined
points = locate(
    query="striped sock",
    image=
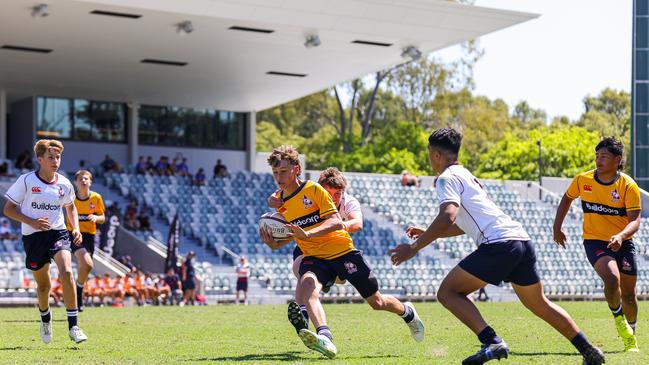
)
(72, 317)
(325, 331)
(304, 312)
(46, 315)
(617, 312)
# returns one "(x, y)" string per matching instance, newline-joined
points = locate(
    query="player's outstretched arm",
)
(562, 210)
(354, 223)
(444, 221)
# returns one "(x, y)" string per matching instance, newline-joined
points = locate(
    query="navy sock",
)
(79, 295)
(324, 331)
(617, 312)
(305, 313)
(46, 315)
(488, 336)
(408, 315)
(72, 317)
(581, 343)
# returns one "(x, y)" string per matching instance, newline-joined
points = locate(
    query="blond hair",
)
(81, 173)
(43, 145)
(333, 178)
(287, 153)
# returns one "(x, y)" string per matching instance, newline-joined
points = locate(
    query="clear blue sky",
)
(575, 48)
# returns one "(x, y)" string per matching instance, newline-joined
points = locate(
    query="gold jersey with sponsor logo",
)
(605, 205)
(93, 204)
(307, 207)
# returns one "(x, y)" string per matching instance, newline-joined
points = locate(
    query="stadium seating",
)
(226, 210)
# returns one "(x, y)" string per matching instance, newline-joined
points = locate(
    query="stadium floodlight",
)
(40, 11)
(411, 52)
(185, 27)
(312, 41)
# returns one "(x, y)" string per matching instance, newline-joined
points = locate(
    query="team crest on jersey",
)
(588, 189)
(350, 267)
(92, 206)
(61, 192)
(615, 196)
(307, 203)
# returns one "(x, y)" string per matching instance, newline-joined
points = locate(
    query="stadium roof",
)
(228, 56)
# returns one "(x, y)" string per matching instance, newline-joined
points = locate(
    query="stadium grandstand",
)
(158, 100)
(169, 92)
(183, 80)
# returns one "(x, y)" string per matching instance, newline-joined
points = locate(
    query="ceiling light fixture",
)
(40, 11)
(312, 41)
(411, 52)
(185, 27)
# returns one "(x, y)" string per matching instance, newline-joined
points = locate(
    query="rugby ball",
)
(276, 224)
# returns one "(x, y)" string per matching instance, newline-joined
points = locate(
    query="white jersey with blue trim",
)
(478, 216)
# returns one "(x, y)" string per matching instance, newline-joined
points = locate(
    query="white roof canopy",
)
(99, 57)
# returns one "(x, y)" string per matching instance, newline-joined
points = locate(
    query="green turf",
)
(261, 335)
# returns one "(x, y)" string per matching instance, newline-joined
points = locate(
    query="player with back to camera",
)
(611, 201)
(505, 253)
(328, 252)
(37, 199)
(90, 207)
(335, 183)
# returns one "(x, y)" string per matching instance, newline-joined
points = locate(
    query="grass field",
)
(261, 335)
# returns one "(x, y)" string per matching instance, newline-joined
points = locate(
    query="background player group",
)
(324, 254)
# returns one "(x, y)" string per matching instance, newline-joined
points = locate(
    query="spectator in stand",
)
(199, 179)
(162, 166)
(144, 221)
(130, 216)
(150, 166)
(181, 168)
(408, 179)
(126, 260)
(173, 281)
(243, 273)
(109, 165)
(220, 170)
(113, 208)
(188, 279)
(6, 233)
(141, 166)
(24, 161)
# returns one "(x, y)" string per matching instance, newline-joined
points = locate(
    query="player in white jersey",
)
(505, 253)
(243, 274)
(37, 200)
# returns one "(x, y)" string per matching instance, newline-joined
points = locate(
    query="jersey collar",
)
(299, 188)
(617, 176)
(56, 178)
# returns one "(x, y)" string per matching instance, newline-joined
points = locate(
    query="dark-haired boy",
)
(505, 253)
(610, 200)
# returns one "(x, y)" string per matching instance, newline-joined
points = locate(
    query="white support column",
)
(133, 121)
(3, 123)
(251, 140)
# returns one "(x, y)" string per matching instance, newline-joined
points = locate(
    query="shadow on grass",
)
(30, 320)
(13, 348)
(556, 353)
(282, 356)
